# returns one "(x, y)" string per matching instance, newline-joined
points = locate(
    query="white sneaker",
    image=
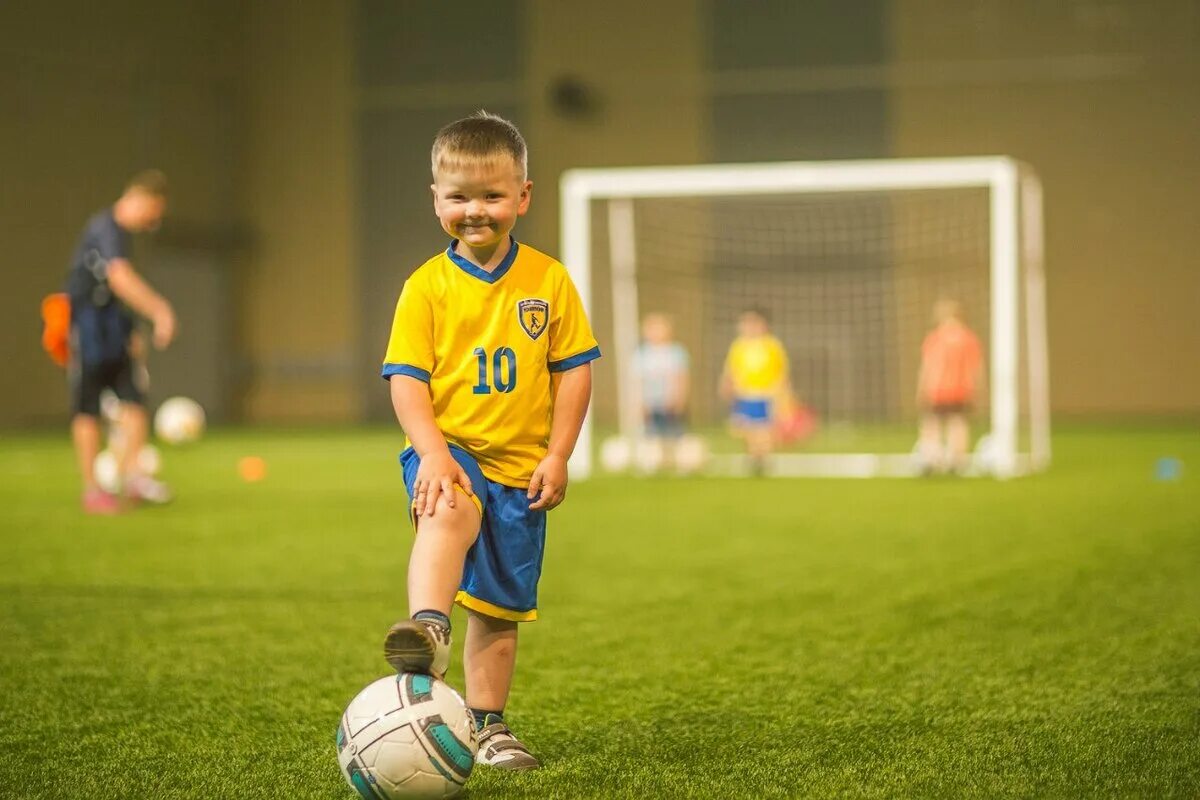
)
(421, 646)
(144, 489)
(499, 748)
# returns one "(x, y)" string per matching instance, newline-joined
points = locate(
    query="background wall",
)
(296, 138)
(1102, 97)
(296, 289)
(90, 93)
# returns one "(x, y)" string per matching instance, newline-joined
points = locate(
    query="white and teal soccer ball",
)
(406, 736)
(179, 420)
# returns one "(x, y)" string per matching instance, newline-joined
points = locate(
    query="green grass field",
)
(700, 638)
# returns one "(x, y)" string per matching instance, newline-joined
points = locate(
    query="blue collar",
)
(484, 275)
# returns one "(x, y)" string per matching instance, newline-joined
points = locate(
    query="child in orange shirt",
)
(951, 367)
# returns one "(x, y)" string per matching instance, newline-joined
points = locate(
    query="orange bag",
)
(795, 421)
(56, 335)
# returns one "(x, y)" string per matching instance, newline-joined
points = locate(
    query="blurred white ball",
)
(107, 471)
(649, 455)
(615, 454)
(179, 420)
(691, 454)
(986, 456)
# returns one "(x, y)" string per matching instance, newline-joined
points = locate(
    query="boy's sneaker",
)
(144, 489)
(98, 501)
(499, 748)
(418, 646)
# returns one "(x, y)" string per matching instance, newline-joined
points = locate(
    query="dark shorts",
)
(664, 424)
(85, 382)
(502, 569)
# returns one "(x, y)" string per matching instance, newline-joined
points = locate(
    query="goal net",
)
(846, 260)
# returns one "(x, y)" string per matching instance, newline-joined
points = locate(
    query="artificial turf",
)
(699, 638)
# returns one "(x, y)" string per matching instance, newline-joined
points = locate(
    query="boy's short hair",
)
(757, 311)
(947, 308)
(150, 181)
(479, 137)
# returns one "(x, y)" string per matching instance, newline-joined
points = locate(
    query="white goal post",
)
(1017, 369)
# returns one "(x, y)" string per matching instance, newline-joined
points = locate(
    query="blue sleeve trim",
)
(405, 369)
(575, 361)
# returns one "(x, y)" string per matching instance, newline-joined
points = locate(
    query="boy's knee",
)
(463, 517)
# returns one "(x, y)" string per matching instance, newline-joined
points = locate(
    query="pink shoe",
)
(98, 501)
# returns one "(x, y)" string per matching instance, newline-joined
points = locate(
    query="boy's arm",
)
(725, 386)
(922, 381)
(681, 381)
(572, 395)
(138, 295)
(680, 390)
(438, 471)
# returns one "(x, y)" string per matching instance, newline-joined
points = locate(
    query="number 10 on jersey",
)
(504, 370)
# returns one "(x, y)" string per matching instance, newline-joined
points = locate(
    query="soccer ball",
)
(649, 455)
(407, 736)
(691, 453)
(107, 471)
(616, 453)
(179, 420)
(107, 467)
(986, 455)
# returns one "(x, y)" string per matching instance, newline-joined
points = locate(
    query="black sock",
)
(481, 716)
(433, 616)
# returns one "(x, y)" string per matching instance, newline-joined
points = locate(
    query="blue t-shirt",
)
(100, 324)
(660, 366)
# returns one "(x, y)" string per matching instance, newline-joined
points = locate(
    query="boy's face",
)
(656, 330)
(479, 201)
(751, 324)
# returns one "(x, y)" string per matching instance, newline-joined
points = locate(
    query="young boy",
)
(951, 365)
(755, 380)
(489, 366)
(103, 287)
(662, 365)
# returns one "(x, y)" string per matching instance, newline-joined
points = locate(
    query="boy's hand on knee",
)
(550, 479)
(437, 475)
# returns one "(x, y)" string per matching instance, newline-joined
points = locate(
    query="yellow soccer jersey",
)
(487, 343)
(757, 366)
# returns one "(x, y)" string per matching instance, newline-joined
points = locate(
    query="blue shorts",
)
(502, 569)
(664, 424)
(752, 412)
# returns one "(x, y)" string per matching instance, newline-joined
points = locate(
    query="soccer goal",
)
(847, 260)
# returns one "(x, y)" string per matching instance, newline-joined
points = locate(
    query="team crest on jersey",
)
(534, 316)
